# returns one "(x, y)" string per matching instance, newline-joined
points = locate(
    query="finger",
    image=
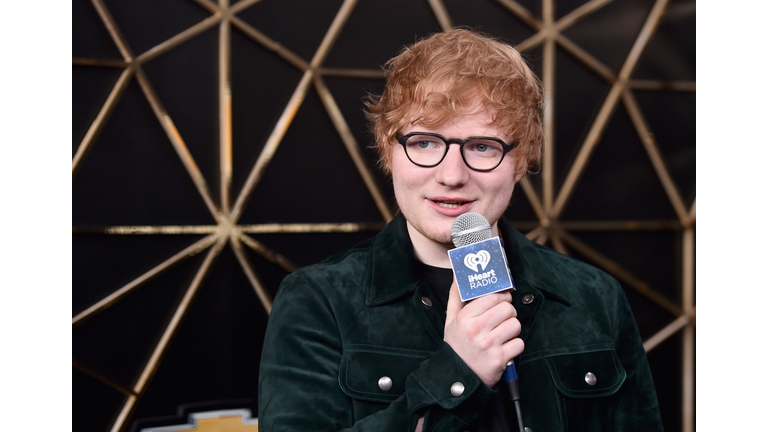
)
(513, 348)
(454, 303)
(482, 305)
(506, 331)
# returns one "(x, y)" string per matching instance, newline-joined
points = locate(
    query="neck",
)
(434, 253)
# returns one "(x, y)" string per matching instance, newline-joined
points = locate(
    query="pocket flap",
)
(376, 373)
(587, 374)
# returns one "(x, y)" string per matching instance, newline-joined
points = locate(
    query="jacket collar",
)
(393, 270)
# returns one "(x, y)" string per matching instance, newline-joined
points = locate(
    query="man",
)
(377, 339)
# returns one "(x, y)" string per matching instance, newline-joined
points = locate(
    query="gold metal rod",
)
(269, 254)
(148, 229)
(101, 117)
(591, 141)
(533, 41)
(534, 234)
(151, 367)
(649, 27)
(80, 61)
(685, 86)
(264, 296)
(689, 362)
(269, 44)
(101, 377)
(587, 59)
(441, 14)
(533, 199)
(225, 115)
(311, 228)
(542, 239)
(548, 169)
(352, 148)
(521, 12)
(689, 262)
(124, 412)
(629, 225)
(595, 132)
(178, 143)
(179, 39)
(618, 271)
(351, 73)
(114, 31)
(692, 213)
(580, 12)
(272, 144)
(557, 243)
(666, 333)
(649, 142)
(107, 301)
(333, 32)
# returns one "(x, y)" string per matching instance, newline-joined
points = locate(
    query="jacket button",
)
(527, 429)
(528, 299)
(426, 301)
(457, 389)
(590, 378)
(385, 383)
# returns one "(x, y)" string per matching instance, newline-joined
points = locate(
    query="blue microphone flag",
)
(480, 269)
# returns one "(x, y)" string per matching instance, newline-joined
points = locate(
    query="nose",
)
(452, 171)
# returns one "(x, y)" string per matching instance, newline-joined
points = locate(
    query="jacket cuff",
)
(446, 381)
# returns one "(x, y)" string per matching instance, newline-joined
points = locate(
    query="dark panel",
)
(119, 340)
(102, 264)
(90, 37)
(609, 33)
(186, 82)
(378, 30)
(301, 32)
(216, 351)
(619, 182)
(311, 177)
(94, 404)
(147, 23)
(90, 88)
(262, 84)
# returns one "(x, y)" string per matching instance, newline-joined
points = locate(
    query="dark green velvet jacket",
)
(339, 326)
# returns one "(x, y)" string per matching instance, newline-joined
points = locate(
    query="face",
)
(432, 198)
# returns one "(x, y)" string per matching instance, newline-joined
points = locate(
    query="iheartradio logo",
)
(481, 258)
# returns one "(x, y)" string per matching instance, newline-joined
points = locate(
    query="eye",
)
(485, 148)
(424, 143)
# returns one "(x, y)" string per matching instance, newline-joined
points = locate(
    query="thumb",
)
(454, 303)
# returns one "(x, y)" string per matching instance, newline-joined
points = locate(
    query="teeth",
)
(448, 205)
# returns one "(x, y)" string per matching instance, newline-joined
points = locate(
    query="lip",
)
(448, 211)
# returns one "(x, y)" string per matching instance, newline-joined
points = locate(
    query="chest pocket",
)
(377, 373)
(587, 375)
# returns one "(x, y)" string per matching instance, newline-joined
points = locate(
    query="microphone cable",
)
(510, 377)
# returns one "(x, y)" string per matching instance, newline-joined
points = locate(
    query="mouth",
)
(450, 204)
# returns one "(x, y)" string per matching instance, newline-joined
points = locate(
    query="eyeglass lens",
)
(479, 154)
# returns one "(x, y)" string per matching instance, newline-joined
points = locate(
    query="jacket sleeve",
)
(299, 386)
(635, 406)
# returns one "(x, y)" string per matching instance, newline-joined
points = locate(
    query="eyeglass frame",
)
(403, 139)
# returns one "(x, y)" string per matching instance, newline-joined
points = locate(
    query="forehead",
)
(474, 122)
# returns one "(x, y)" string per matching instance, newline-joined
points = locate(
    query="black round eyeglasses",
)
(427, 149)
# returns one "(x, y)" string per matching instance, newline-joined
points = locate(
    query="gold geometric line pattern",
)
(547, 207)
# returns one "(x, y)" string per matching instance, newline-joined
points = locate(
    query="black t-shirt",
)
(500, 414)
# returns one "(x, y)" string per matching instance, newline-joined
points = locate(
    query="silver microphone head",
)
(470, 228)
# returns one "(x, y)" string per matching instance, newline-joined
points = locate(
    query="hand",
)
(483, 332)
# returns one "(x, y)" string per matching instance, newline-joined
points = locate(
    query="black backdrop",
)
(132, 176)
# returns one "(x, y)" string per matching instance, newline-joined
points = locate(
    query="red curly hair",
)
(447, 74)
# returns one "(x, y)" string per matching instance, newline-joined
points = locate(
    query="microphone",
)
(471, 234)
